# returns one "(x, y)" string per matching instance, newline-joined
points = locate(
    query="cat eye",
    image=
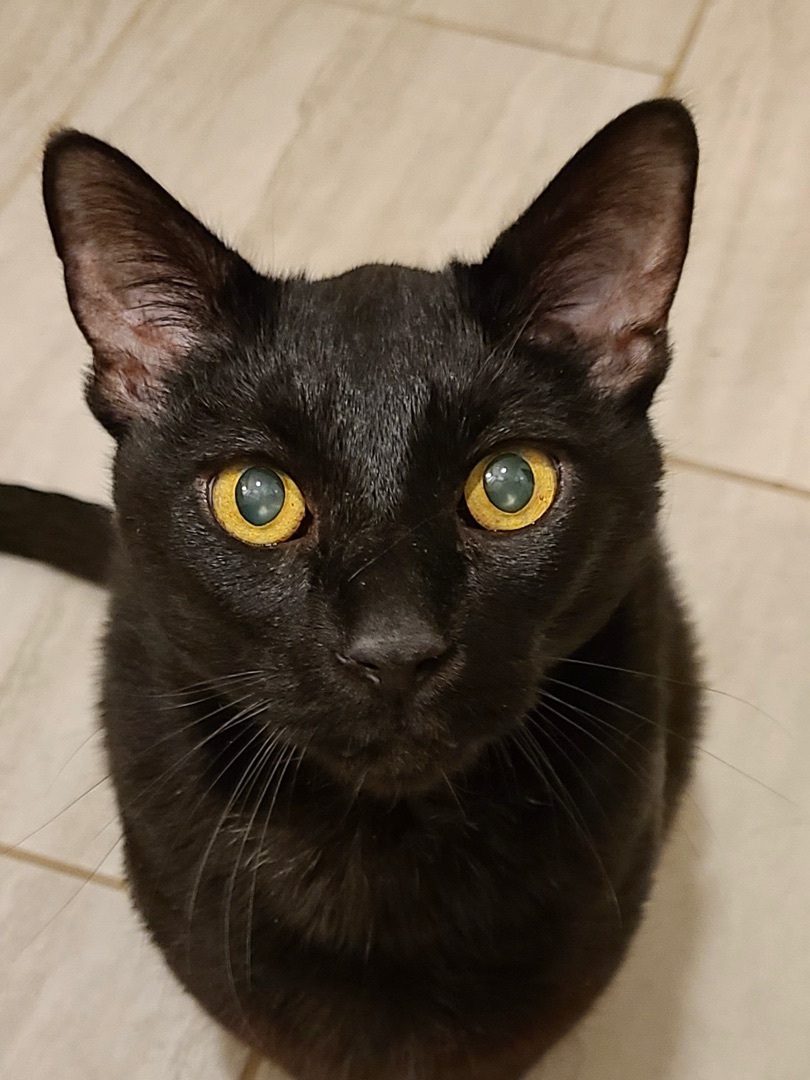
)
(511, 489)
(256, 504)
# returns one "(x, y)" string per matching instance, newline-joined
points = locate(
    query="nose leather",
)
(398, 655)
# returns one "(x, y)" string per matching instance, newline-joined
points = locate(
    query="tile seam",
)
(721, 473)
(58, 866)
(502, 38)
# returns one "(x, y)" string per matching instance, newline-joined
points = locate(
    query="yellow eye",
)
(511, 489)
(256, 504)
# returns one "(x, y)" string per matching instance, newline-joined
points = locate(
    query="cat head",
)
(395, 496)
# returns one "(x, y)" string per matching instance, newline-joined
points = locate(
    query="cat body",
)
(392, 787)
(444, 936)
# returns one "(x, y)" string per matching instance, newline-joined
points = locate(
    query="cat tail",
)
(64, 532)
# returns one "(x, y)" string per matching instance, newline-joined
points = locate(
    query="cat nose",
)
(396, 660)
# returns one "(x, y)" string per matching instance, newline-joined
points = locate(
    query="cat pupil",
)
(259, 495)
(509, 483)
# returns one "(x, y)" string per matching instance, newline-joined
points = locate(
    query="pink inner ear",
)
(136, 334)
(621, 276)
(614, 303)
(145, 278)
(627, 358)
(144, 313)
(598, 255)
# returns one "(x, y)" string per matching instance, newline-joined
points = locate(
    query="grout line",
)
(44, 862)
(670, 78)
(722, 473)
(252, 1066)
(501, 37)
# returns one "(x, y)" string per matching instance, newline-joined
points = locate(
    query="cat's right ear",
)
(593, 264)
(146, 281)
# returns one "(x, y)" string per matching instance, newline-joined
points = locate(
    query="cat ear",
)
(597, 257)
(146, 281)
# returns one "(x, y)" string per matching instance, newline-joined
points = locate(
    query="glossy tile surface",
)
(48, 57)
(649, 33)
(740, 390)
(53, 799)
(84, 997)
(346, 137)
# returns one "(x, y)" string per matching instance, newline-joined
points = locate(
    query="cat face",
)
(394, 630)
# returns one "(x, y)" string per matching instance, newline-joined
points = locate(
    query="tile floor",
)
(319, 134)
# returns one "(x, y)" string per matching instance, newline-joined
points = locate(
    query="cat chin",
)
(402, 768)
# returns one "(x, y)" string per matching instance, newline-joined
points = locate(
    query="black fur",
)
(429, 877)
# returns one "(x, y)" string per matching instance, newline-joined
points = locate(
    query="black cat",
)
(384, 570)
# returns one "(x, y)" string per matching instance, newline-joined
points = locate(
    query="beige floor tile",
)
(333, 136)
(648, 33)
(50, 49)
(739, 393)
(85, 996)
(53, 800)
(391, 7)
(447, 137)
(744, 558)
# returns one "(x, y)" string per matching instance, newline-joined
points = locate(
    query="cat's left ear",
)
(596, 259)
(146, 281)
